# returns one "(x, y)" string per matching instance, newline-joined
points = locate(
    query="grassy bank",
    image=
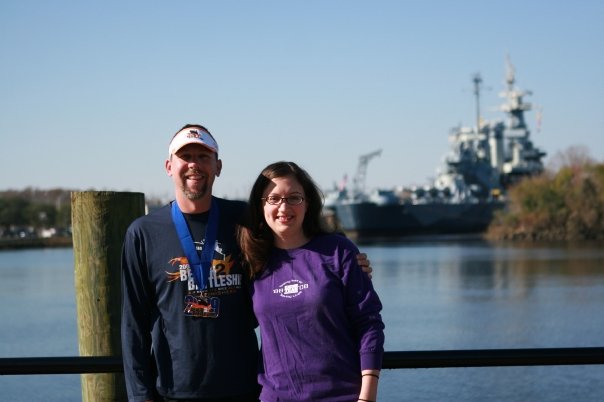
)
(566, 205)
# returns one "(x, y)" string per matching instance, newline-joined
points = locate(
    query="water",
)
(38, 319)
(436, 295)
(472, 296)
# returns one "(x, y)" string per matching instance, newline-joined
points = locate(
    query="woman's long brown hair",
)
(255, 237)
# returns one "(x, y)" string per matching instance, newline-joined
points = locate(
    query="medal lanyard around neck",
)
(200, 266)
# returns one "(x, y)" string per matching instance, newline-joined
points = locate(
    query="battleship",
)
(481, 165)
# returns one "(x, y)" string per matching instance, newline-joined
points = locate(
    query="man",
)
(186, 308)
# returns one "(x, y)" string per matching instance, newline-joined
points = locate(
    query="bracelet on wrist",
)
(372, 375)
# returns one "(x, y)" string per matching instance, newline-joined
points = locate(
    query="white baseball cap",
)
(192, 135)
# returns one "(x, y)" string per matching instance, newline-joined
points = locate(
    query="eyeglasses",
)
(276, 200)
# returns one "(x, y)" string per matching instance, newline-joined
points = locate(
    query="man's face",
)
(193, 169)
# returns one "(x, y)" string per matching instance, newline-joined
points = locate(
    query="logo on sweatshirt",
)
(291, 288)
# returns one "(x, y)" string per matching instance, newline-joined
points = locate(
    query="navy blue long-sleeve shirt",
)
(196, 357)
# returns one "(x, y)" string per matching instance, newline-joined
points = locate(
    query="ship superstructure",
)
(483, 161)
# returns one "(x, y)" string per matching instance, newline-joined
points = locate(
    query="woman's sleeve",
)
(363, 307)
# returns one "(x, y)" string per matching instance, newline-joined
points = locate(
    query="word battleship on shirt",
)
(220, 281)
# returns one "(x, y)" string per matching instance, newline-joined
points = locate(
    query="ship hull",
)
(367, 219)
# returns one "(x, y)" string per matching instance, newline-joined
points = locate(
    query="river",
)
(437, 295)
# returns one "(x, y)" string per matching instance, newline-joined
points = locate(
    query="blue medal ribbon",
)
(199, 265)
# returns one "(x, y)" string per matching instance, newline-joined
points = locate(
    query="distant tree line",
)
(30, 210)
(35, 209)
(565, 203)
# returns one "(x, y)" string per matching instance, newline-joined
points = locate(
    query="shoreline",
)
(16, 244)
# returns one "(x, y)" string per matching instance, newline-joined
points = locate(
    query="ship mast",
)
(515, 105)
(477, 79)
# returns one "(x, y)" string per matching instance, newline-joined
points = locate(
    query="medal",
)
(196, 305)
(202, 307)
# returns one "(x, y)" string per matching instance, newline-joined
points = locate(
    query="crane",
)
(359, 177)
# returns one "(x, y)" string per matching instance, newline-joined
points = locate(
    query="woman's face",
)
(284, 210)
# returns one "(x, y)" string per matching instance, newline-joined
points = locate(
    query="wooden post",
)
(99, 221)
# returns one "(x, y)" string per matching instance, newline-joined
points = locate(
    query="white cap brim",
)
(192, 135)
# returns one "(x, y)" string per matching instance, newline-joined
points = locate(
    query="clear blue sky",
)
(91, 92)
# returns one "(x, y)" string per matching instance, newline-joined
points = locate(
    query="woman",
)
(320, 324)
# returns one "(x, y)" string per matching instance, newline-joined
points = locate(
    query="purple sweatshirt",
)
(320, 323)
